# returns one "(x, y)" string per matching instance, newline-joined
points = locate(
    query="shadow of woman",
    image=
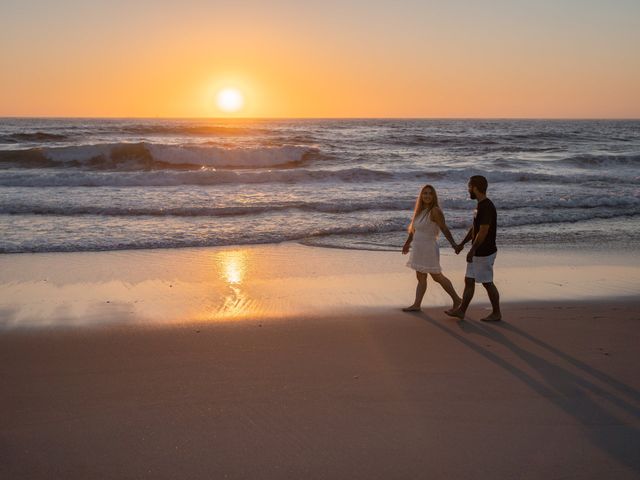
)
(566, 390)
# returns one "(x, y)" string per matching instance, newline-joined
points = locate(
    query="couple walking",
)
(427, 223)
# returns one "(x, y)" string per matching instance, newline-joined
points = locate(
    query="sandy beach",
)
(203, 213)
(288, 361)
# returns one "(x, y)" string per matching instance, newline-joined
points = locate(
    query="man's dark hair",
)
(479, 182)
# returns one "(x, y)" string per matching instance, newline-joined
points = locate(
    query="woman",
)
(427, 222)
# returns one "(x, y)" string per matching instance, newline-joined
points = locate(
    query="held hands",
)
(458, 248)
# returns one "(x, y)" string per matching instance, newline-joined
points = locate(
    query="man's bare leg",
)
(469, 289)
(494, 297)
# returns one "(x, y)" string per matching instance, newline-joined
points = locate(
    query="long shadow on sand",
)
(569, 392)
(603, 377)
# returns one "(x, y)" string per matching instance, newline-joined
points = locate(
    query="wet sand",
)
(275, 282)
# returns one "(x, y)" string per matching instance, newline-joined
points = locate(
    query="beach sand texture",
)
(322, 376)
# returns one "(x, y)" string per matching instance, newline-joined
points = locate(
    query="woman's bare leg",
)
(448, 287)
(421, 288)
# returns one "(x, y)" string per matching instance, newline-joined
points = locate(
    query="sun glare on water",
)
(230, 100)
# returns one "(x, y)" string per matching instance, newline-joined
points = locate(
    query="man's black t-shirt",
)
(486, 215)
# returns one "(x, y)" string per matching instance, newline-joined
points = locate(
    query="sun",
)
(230, 100)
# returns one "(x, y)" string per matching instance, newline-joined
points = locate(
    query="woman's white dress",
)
(425, 253)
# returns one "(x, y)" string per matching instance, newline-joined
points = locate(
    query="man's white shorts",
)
(481, 268)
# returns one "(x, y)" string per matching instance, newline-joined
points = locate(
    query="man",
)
(483, 251)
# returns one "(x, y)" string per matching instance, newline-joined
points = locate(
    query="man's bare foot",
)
(454, 312)
(492, 318)
(412, 308)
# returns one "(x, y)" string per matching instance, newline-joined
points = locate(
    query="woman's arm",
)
(407, 244)
(438, 217)
(466, 238)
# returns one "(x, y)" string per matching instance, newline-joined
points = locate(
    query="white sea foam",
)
(212, 156)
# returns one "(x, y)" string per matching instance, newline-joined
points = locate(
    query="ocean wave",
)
(436, 140)
(201, 211)
(559, 216)
(516, 142)
(549, 204)
(148, 156)
(180, 239)
(32, 137)
(399, 224)
(204, 176)
(526, 205)
(564, 135)
(201, 177)
(177, 237)
(185, 129)
(593, 160)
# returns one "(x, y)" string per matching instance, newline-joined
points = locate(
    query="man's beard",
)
(472, 195)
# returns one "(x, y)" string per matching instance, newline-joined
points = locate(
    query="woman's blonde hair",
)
(420, 206)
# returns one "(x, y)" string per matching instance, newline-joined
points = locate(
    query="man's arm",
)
(466, 238)
(482, 234)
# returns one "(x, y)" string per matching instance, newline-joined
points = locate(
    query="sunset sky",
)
(329, 58)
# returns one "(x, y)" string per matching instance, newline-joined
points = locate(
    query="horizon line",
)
(57, 117)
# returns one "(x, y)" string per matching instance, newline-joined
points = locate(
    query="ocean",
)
(112, 184)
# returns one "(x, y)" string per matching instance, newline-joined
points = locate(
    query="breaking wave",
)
(148, 156)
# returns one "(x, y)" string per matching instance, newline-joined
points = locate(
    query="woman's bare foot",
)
(454, 312)
(412, 308)
(456, 305)
(492, 318)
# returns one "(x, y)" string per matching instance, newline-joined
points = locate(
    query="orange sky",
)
(499, 58)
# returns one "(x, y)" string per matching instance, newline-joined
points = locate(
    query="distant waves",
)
(82, 184)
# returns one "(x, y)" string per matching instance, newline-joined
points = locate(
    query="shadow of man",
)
(570, 392)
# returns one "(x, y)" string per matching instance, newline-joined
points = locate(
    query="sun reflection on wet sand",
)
(257, 283)
(233, 265)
